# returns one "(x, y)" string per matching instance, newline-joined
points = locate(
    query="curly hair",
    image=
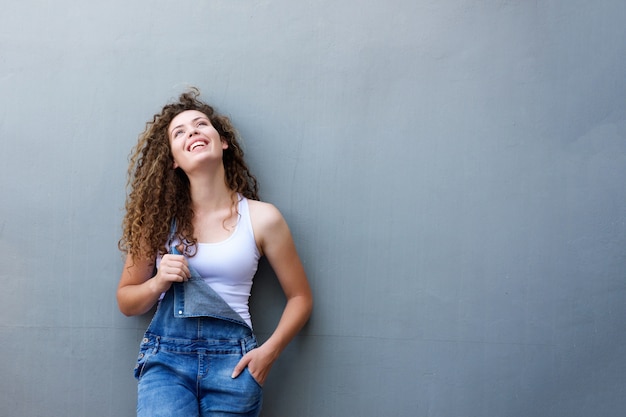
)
(159, 195)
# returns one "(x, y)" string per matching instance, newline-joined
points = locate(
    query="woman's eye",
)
(177, 133)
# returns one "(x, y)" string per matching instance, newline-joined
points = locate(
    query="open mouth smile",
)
(197, 144)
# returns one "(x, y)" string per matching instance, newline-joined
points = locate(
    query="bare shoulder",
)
(264, 214)
(268, 224)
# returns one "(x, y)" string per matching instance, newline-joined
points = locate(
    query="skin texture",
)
(214, 220)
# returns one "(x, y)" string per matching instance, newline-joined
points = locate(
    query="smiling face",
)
(192, 137)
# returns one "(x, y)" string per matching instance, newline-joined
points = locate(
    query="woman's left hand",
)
(259, 361)
(276, 244)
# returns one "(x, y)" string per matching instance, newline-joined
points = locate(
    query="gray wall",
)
(452, 172)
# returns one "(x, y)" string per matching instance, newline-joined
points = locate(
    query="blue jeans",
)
(185, 365)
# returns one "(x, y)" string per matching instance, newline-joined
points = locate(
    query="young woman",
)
(193, 234)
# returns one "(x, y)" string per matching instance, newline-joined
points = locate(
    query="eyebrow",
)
(193, 121)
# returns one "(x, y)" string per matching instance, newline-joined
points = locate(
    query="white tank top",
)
(229, 266)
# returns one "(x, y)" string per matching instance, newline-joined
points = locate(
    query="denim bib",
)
(196, 298)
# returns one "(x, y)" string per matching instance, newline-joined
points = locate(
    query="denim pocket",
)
(249, 374)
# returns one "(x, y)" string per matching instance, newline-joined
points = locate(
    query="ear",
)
(174, 165)
(224, 144)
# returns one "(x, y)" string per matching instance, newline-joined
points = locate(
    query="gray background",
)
(452, 172)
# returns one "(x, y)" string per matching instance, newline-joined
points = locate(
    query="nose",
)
(193, 131)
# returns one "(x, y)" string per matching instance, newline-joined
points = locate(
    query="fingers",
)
(258, 366)
(241, 365)
(174, 268)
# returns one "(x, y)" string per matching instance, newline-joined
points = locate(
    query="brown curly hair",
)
(159, 196)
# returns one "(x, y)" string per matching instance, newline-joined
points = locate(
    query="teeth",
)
(195, 145)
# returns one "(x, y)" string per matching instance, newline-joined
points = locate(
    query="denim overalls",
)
(188, 354)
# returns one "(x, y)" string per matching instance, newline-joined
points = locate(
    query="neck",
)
(209, 191)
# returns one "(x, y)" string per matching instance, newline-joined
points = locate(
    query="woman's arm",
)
(138, 291)
(275, 241)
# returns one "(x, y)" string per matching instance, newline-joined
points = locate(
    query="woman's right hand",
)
(138, 290)
(173, 268)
